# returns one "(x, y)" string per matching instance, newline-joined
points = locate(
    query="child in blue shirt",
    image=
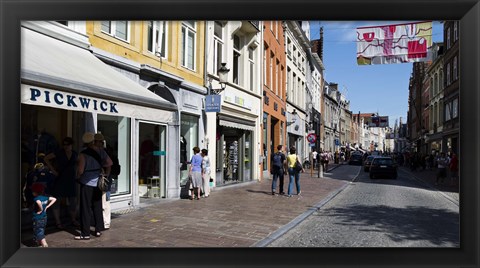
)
(40, 205)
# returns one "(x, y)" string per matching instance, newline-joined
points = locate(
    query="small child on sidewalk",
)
(41, 203)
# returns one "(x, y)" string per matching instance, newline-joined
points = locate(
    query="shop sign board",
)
(213, 103)
(34, 95)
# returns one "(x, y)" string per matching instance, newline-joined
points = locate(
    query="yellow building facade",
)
(167, 58)
(136, 47)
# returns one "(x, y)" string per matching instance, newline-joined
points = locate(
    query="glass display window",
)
(116, 131)
(188, 139)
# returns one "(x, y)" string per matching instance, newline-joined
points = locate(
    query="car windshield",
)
(383, 161)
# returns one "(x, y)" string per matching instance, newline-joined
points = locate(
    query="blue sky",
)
(381, 88)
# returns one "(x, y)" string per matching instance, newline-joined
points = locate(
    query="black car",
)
(355, 159)
(383, 166)
(368, 162)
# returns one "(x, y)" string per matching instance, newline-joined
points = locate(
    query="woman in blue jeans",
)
(293, 174)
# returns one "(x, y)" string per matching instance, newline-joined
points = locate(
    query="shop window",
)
(248, 156)
(188, 139)
(116, 131)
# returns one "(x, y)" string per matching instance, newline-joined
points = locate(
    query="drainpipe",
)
(205, 74)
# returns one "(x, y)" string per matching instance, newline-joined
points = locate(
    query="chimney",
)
(320, 52)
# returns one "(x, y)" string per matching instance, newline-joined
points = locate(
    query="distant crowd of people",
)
(446, 164)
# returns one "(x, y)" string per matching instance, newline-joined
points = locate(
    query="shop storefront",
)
(234, 145)
(67, 91)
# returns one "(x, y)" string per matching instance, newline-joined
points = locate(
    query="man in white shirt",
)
(314, 158)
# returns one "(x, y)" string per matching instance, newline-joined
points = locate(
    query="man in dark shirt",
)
(278, 166)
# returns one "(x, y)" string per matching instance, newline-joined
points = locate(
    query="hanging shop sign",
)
(213, 103)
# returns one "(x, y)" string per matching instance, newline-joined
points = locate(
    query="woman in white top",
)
(206, 172)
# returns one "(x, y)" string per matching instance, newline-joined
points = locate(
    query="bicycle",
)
(306, 163)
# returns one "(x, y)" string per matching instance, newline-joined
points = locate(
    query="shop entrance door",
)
(152, 160)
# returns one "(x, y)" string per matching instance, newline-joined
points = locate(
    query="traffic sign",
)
(312, 138)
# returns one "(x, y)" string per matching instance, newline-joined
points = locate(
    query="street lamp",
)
(223, 79)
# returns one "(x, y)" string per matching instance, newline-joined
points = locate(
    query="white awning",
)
(234, 122)
(236, 125)
(48, 63)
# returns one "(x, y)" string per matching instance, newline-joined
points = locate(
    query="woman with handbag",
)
(294, 168)
(196, 173)
(92, 163)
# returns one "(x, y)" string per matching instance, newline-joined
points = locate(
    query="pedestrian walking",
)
(454, 170)
(294, 173)
(278, 170)
(196, 173)
(92, 163)
(442, 163)
(41, 204)
(314, 158)
(206, 173)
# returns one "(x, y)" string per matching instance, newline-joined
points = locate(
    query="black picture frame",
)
(12, 12)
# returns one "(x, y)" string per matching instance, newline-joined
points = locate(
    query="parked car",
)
(355, 159)
(383, 166)
(368, 162)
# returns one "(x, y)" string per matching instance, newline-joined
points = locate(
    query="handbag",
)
(298, 166)
(102, 183)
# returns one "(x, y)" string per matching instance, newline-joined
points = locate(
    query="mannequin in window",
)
(183, 153)
(41, 142)
(146, 157)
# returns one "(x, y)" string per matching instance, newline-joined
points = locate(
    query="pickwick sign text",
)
(68, 101)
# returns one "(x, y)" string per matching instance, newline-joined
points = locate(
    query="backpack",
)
(277, 160)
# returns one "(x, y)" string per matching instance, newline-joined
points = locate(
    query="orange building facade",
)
(274, 92)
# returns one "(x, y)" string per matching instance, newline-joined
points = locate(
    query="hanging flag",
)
(396, 43)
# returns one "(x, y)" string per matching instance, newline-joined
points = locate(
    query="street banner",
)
(377, 121)
(395, 43)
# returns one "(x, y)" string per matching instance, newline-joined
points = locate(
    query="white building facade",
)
(297, 45)
(233, 134)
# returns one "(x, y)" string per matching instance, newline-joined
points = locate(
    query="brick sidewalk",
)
(233, 216)
(449, 190)
(429, 177)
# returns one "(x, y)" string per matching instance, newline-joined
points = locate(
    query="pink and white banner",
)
(396, 43)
